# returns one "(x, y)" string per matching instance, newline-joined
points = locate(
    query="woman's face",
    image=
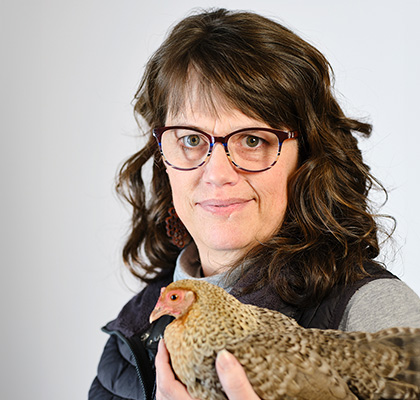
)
(228, 211)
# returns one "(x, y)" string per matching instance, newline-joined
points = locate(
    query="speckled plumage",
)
(283, 360)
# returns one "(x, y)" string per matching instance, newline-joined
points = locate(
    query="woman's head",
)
(223, 62)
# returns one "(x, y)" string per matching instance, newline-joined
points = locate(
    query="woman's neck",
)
(217, 261)
(188, 266)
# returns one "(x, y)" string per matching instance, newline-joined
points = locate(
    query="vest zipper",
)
(132, 347)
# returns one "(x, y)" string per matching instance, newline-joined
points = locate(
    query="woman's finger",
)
(233, 377)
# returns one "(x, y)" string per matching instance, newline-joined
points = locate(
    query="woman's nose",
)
(219, 170)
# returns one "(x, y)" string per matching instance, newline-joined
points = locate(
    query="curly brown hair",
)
(267, 72)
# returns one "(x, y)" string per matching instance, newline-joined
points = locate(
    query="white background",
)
(69, 70)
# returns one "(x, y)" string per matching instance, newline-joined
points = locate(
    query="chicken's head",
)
(174, 302)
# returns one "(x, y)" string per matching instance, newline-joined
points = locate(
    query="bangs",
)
(210, 90)
(196, 92)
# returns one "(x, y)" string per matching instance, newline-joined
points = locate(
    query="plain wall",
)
(69, 71)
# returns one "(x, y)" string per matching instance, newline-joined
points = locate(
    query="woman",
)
(258, 178)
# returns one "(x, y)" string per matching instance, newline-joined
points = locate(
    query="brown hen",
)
(282, 360)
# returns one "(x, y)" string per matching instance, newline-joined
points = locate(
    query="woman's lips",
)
(223, 206)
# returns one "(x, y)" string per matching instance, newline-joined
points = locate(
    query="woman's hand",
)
(167, 387)
(231, 374)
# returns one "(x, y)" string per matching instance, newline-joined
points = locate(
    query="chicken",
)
(282, 360)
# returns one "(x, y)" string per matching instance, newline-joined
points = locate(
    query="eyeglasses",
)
(249, 149)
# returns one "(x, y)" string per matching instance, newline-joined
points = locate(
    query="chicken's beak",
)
(157, 312)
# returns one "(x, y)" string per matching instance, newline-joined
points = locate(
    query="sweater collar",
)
(188, 267)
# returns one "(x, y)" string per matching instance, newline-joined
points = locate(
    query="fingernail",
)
(225, 360)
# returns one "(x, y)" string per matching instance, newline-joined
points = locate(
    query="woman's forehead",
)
(197, 96)
(225, 122)
(192, 107)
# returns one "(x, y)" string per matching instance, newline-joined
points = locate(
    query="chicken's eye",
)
(174, 297)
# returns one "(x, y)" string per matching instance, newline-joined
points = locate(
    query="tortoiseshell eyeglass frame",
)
(281, 136)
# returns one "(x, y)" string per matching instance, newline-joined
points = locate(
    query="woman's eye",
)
(191, 140)
(252, 141)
